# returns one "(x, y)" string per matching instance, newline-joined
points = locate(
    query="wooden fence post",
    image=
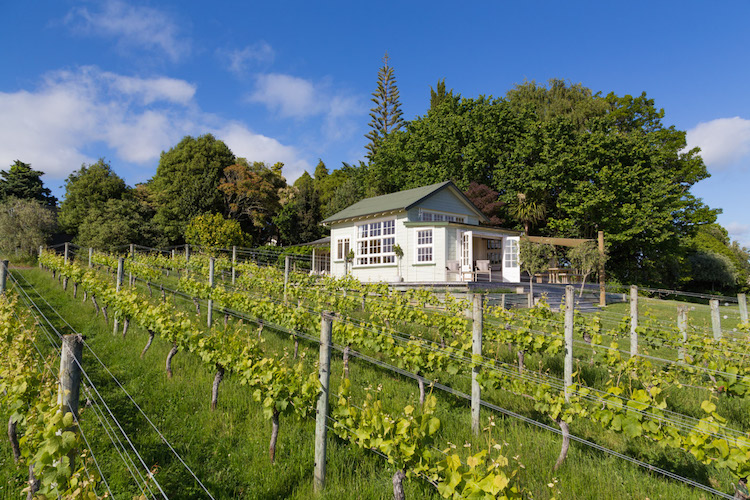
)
(70, 379)
(187, 258)
(476, 352)
(682, 326)
(67, 250)
(569, 309)
(286, 275)
(41, 249)
(120, 266)
(633, 320)
(602, 283)
(715, 318)
(91, 257)
(3, 275)
(132, 251)
(321, 414)
(234, 263)
(211, 266)
(742, 301)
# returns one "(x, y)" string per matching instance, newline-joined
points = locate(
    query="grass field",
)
(228, 448)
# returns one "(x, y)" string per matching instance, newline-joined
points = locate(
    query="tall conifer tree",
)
(385, 117)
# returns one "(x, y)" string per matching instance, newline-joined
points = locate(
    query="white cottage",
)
(443, 236)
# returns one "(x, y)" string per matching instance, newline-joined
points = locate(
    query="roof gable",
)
(402, 200)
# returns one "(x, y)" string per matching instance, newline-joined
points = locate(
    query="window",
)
(511, 253)
(342, 249)
(375, 241)
(428, 216)
(424, 245)
(495, 251)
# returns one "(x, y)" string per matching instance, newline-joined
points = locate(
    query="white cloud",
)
(240, 60)
(739, 232)
(256, 147)
(724, 142)
(132, 26)
(290, 96)
(74, 112)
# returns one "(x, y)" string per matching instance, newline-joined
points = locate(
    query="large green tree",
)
(116, 223)
(24, 225)
(22, 182)
(386, 115)
(596, 162)
(86, 189)
(298, 220)
(186, 184)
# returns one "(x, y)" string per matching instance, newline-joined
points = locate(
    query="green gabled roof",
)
(402, 200)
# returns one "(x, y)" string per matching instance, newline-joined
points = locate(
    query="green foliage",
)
(298, 221)
(25, 225)
(438, 94)
(534, 257)
(713, 268)
(214, 231)
(186, 183)
(587, 259)
(714, 239)
(116, 223)
(87, 189)
(385, 117)
(24, 183)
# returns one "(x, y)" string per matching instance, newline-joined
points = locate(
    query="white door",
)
(467, 254)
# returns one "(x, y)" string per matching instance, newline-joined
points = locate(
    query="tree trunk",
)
(398, 485)
(171, 354)
(197, 306)
(65, 283)
(85, 295)
(54, 273)
(75, 290)
(583, 283)
(148, 344)
(521, 355)
(13, 437)
(296, 346)
(346, 360)
(215, 389)
(106, 316)
(150, 291)
(565, 445)
(33, 483)
(420, 382)
(163, 293)
(125, 325)
(260, 328)
(274, 435)
(96, 306)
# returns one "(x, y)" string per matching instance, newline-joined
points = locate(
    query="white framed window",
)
(424, 245)
(342, 248)
(511, 253)
(375, 241)
(495, 251)
(431, 216)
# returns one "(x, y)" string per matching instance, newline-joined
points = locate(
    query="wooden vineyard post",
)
(70, 379)
(633, 320)
(187, 258)
(715, 318)
(132, 251)
(131, 282)
(321, 413)
(66, 253)
(502, 301)
(3, 275)
(286, 275)
(742, 301)
(120, 265)
(91, 257)
(569, 309)
(234, 263)
(682, 326)
(41, 249)
(476, 352)
(602, 284)
(211, 266)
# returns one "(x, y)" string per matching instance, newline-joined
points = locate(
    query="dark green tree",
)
(87, 189)
(385, 117)
(298, 220)
(438, 94)
(25, 225)
(115, 223)
(186, 183)
(21, 182)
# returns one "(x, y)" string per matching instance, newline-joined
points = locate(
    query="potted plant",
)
(399, 255)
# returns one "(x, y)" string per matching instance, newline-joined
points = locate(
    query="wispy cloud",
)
(72, 112)
(240, 61)
(293, 97)
(739, 232)
(131, 26)
(724, 142)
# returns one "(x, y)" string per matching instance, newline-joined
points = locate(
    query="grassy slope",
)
(228, 448)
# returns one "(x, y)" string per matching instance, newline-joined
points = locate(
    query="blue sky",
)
(291, 81)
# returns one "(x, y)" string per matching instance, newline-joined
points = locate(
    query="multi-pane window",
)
(440, 217)
(424, 245)
(495, 251)
(342, 249)
(375, 241)
(511, 253)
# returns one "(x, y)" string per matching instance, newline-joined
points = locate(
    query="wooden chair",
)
(483, 267)
(453, 267)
